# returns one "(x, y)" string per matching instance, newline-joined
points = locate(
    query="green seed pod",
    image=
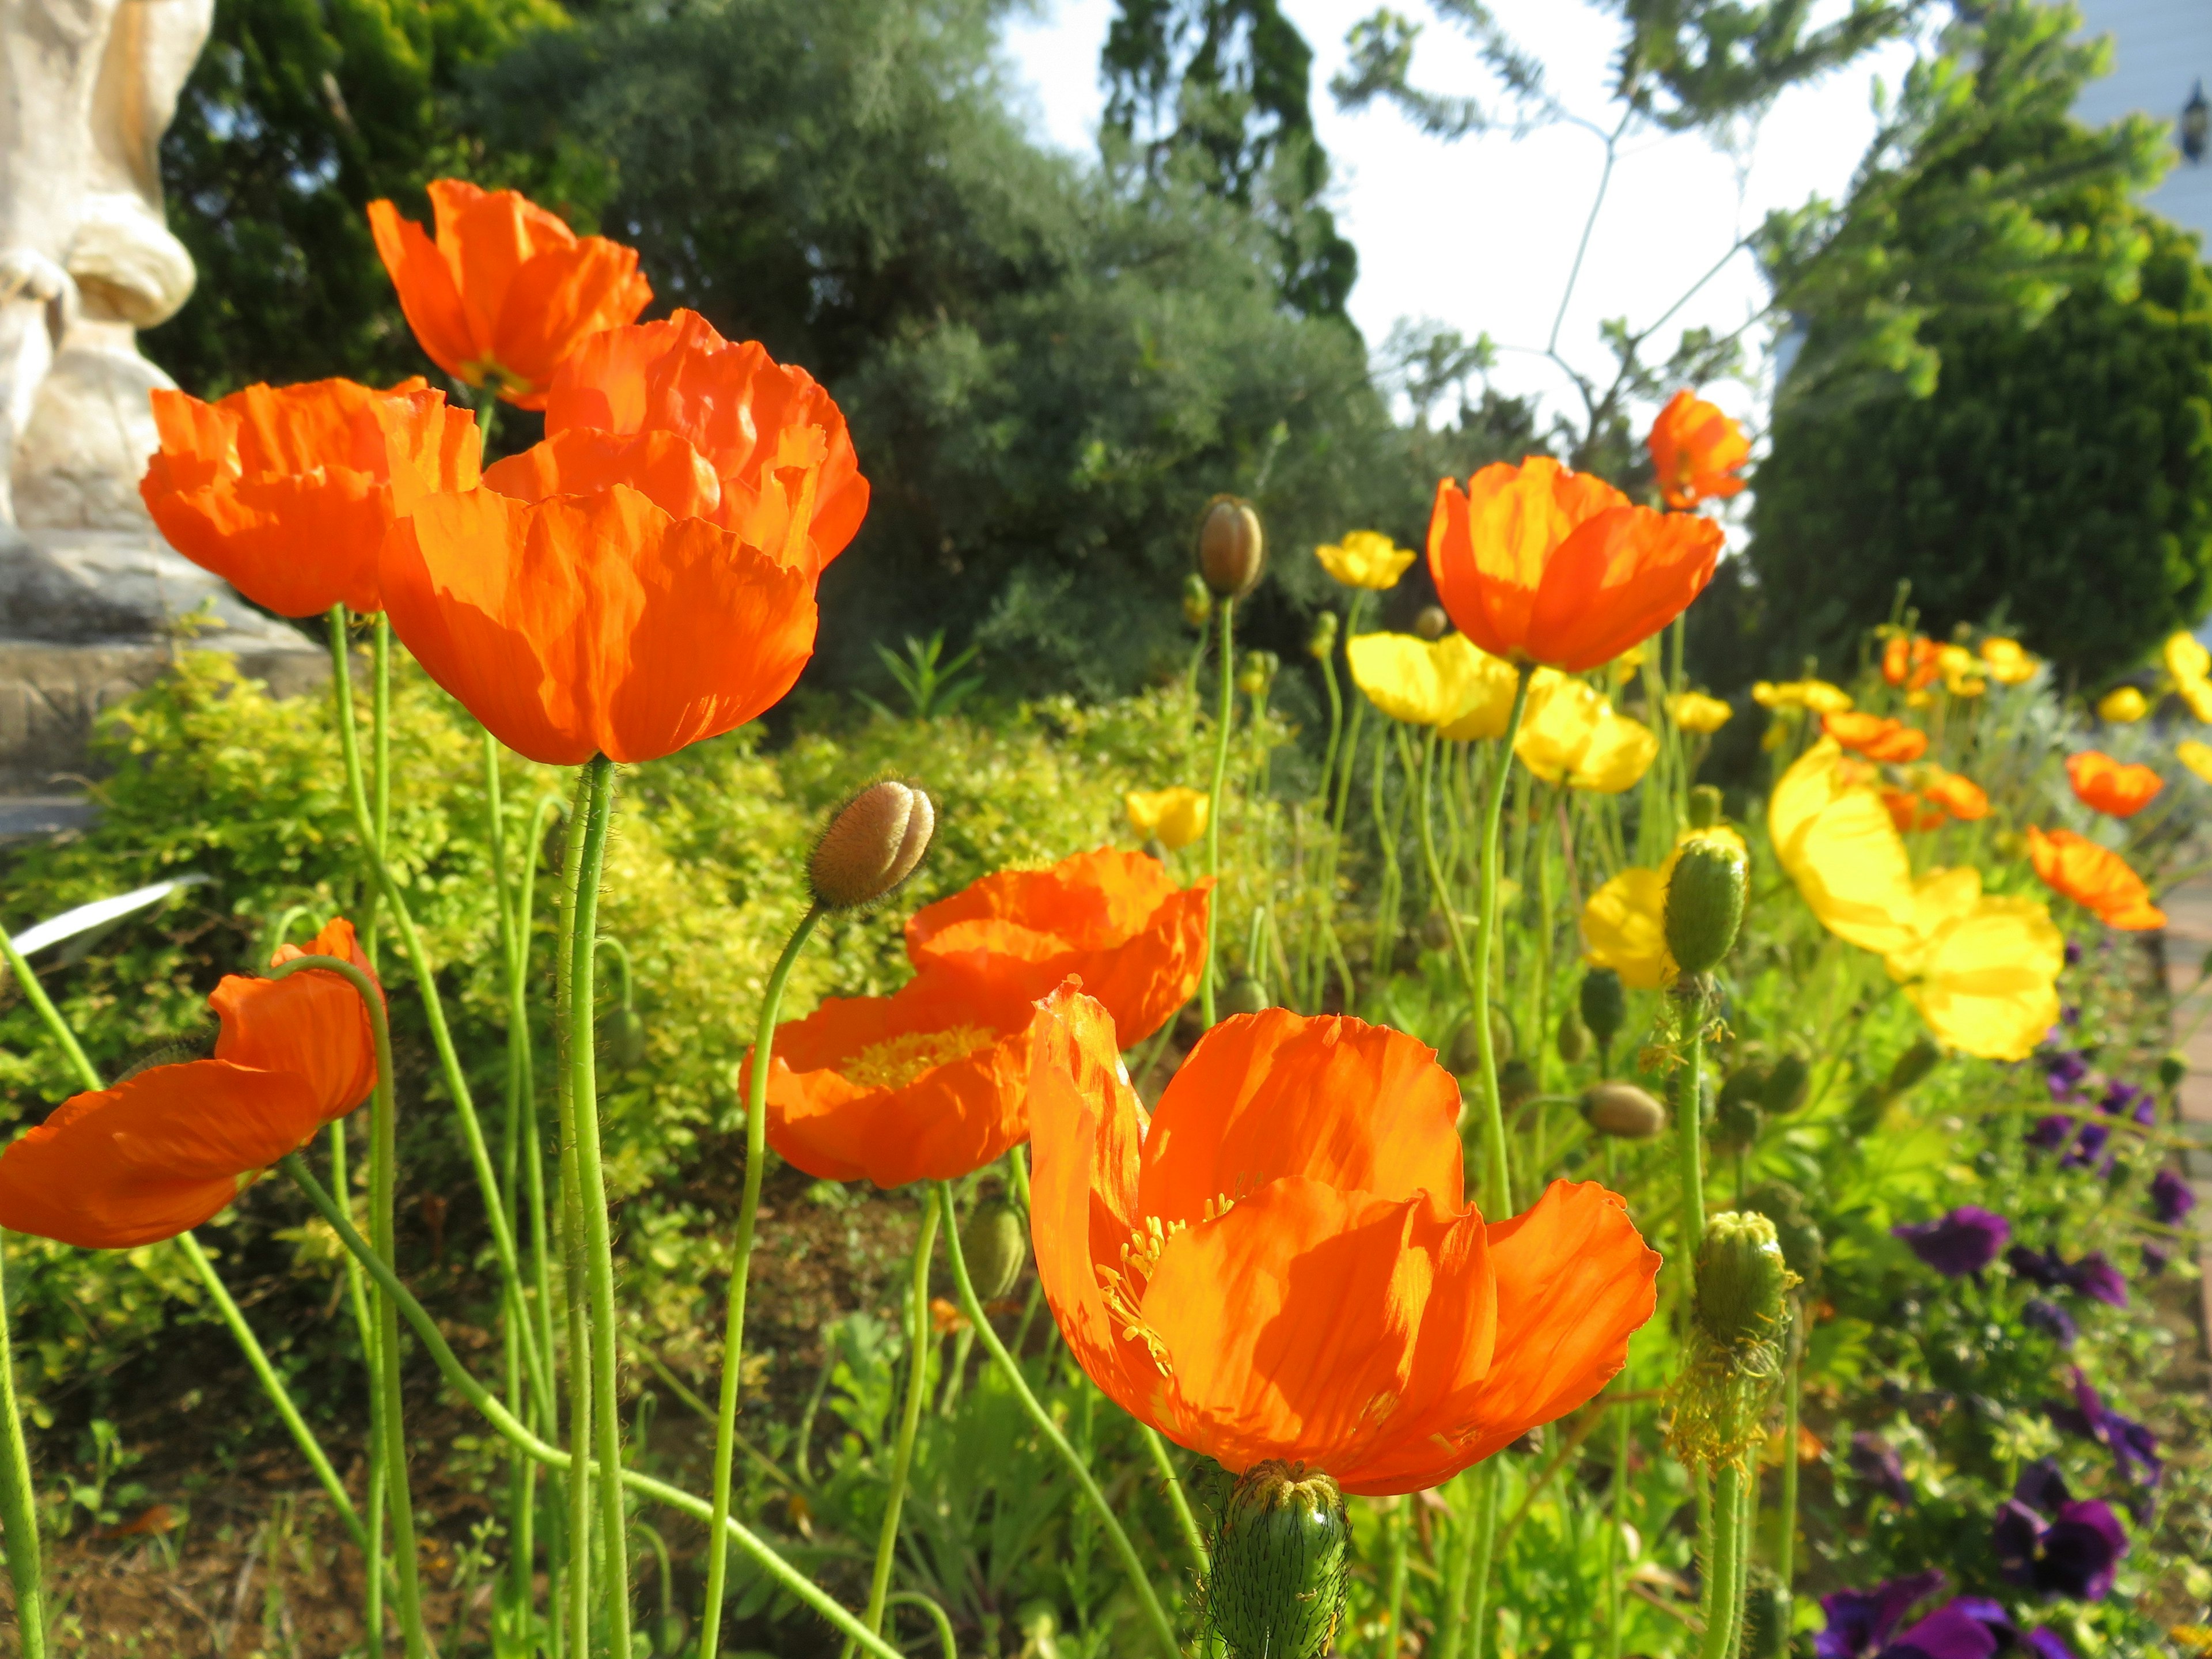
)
(873, 842)
(1277, 1588)
(1320, 643)
(1232, 548)
(1867, 1107)
(1431, 622)
(1788, 1084)
(621, 1036)
(1436, 930)
(1741, 1280)
(1197, 600)
(2172, 1068)
(1573, 1041)
(1736, 1124)
(1516, 1084)
(1462, 1054)
(1257, 673)
(1623, 1111)
(1914, 1064)
(1604, 1005)
(1705, 901)
(669, 1634)
(1246, 995)
(1766, 1615)
(1747, 1081)
(1803, 1250)
(995, 1243)
(1704, 806)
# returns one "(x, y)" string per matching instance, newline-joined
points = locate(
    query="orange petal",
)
(311, 1025)
(429, 298)
(486, 236)
(557, 299)
(1617, 579)
(659, 465)
(1271, 1096)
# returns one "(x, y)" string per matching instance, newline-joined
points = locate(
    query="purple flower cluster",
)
(1964, 1241)
(2074, 1553)
(1862, 1624)
(1876, 1466)
(2171, 1199)
(2093, 1276)
(2134, 1448)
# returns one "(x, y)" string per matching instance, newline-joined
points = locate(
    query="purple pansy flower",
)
(2064, 1071)
(1964, 1241)
(2091, 1148)
(2134, 1448)
(2044, 1315)
(2047, 1643)
(2098, 1278)
(2073, 954)
(2154, 1259)
(1965, 1627)
(2172, 1199)
(2075, 1553)
(1860, 1622)
(1875, 1464)
(2126, 1100)
(2041, 1268)
(2051, 1133)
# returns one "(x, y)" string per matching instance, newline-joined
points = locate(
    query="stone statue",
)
(88, 591)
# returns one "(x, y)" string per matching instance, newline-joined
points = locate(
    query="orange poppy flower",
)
(2093, 877)
(1116, 920)
(161, 1152)
(2103, 785)
(1695, 451)
(771, 439)
(1962, 797)
(594, 623)
(1876, 737)
(928, 1084)
(1909, 812)
(1535, 563)
(1280, 1263)
(1913, 661)
(285, 492)
(506, 290)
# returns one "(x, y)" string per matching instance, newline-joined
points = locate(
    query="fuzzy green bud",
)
(1257, 673)
(1246, 995)
(1705, 901)
(1320, 643)
(1197, 600)
(1741, 1280)
(1788, 1084)
(1604, 1005)
(1232, 548)
(1431, 622)
(620, 1039)
(873, 842)
(996, 1246)
(1623, 1111)
(1736, 1126)
(2172, 1066)
(1462, 1054)
(1516, 1084)
(1914, 1064)
(1573, 1041)
(1766, 1615)
(1704, 806)
(1278, 1584)
(1803, 1250)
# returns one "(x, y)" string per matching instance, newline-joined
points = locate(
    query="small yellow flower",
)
(1176, 817)
(1451, 683)
(2009, 662)
(1365, 558)
(1693, 711)
(1961, 671)
(2185, 659)
(2123, 706)
(1818, 695)
(1570, 735)
(2196, 756)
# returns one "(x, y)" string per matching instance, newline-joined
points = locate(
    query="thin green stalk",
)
(1724, 1562)
(379, 754)
(1623, 1421)
(19, 1497)
(741, 1257)
(919, 1346)
(1467, 978)
(577, 1516)
(1386, 902)
(972, 1306)
(504, 1423)
(1785, 1543)
(1171, 1478)
(364, 1319)
(1395, 1598)
(1225, 717)
(945, 1637)
(1497, 1170)
(1487, 1498)
(1688, 1105)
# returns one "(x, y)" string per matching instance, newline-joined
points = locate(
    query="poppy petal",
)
(1616, 580)
(659, 465)
(559, 297)
(429, 297)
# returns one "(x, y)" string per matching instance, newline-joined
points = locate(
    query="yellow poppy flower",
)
(1176, 817)
(1624, 921)
(1834, 837)
(1451, 683)
(1961, 671)
(2185, 659)
(1571, 735)
(1982, 968)
(2009, 662)
(2197, 694)
(2196, 756)
(2122, 707)
(1693, 711)
(1365, 558)
(1818, 695)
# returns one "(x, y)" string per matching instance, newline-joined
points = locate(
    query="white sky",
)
(1480, 234)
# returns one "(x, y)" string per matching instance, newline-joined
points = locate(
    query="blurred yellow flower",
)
(1365, 558)
(1571, 735)
(1835, 839)
(1176, 817)
(2009, 662)
(1961, 671)
(2185, 659)
(2196, 756)
(2197, 694)
(1451, 683)
(1624, 921)
(1492, 682)
(1818, 695)
(1693, 711)
(2124, 706)
(1981, 969)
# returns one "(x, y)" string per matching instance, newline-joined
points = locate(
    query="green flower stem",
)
(1497, 1170)
(390, 1427)
(1386, 836)
(1688, 1105)
(1623, 1420)
(1225, 717)
(19, 1497)
(595, 791)
(418, 959)
(1193, 1537)
(971, 1305)
(920, 1344)
(1312, 962)
(374, 1566)
(380, 756)
(1482, 1559)
(504, 1423)
(1785, 1543)
(570, 1239)
(534, 1158)
(1467, 978)
(945, 1637)
(741, 1257)
(1395, 1598)
(1724, 1562)
(1349, 752)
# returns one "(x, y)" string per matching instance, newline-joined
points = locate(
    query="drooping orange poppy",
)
(928, 1084)
(1535, 563)
(285, 492)
(1910, 811)
(1876, 737)
(1913, 661)
(2104, 785)
(772, 439)
(2093, 877)
(1116, 920)
(1280, 1261)
(594, 623)
(506, 290)
(161, 1152)
(1962, 797)
(1696, 451)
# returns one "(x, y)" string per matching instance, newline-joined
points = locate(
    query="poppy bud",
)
(1246, 995)
(2172, 1068)
(1741, 1280)
(1749, 1076)
(622, 1038)
(1787, 1084)
(1516, 1084)
(1429, 622)
(1914, 1064)
(1463, 1053)
(996, 1247)
(1736, 1124)
(1604, 1005)
(1573, 1041)
(669, 1634)
(1766, 1615)
(1197, 600)
(1321, 644)
(1623, 1111)
(1436, 932)
(873, 842)
(1704, 902)
(1704, 806)
(1232, 549)
(1803, 1250)
(1257, 673)
(1277, 1589)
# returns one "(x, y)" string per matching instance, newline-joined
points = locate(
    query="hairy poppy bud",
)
(873, 842)
(1197, 600)
(1914, 1064)
(1766, 1614)
(1803, 1249)
(1705, 901)
(2172, 1068)
(1246, 995)
(1436, 932)
(1429, 622)
(1321, 644)
(996, 1246)
(1604, 1005)
(669, 1636)
(1257, 673)
(1516, 1084)
(1232, 549)
(621, 1038)
(1788, 1084)
(1277, 1588)
(1733, 1358)
(1573, 1041)
(1736, 1124)
(1623, 1111)
(1464, 1053)
(1704, 806)
(1741, 1280)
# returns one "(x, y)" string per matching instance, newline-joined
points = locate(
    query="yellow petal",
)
(1625, 923)
(1492, 682)
(1986, 979)
(2196, 756)
(1620, 751)
(1176, 817)
(2185, 659)
(1407, 677)
(1365, 558)
(1556, 730)
(1693, 711)
(2197, 694)
(2009, 662)
(2122, 707)
(1835, 839)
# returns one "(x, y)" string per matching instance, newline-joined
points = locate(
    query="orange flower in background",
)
(1962, 797)
(1876, 737)
(1534, 563)
(772, 439)
(1911, 660)
(2093, 877)
(1280, 1262)
(161, 1152)
(2103, 785)
(929, 1085)
(1695, 451)
(1910, 811)
(1116, 919)
(285, 492)
(506, 290)
(594, 623)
